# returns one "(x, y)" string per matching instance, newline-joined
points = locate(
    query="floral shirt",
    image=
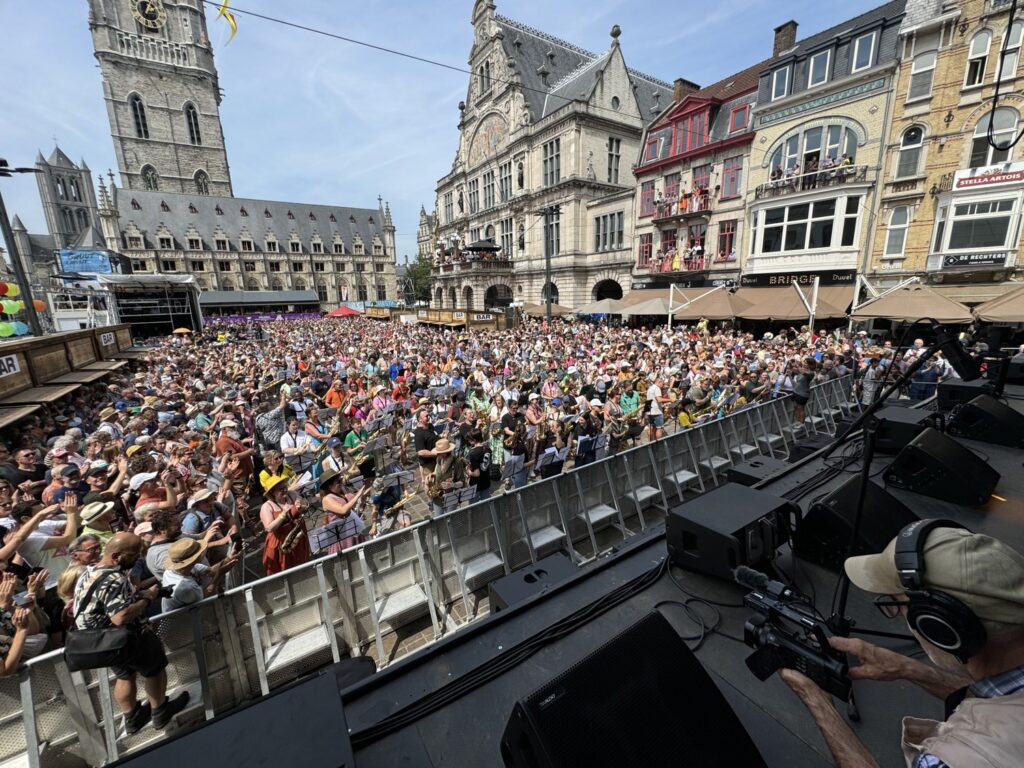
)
(110, 598)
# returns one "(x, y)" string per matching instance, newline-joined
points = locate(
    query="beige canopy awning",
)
(783, 303)
(713, 305)
(602, 307)
(913, 303)
(1008, 308)
(81, 376)
(35, 395)
(540, 310)
(10, 416)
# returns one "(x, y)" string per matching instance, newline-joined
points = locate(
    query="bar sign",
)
(9, 365)
(107, 339)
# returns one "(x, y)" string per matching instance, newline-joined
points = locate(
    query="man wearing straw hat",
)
(188, 581)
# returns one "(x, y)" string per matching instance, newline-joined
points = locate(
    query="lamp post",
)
(547, 213)
(12, 248)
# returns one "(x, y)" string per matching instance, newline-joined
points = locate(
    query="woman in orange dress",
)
(280, 514)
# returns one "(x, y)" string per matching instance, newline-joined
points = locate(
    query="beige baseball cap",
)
(983, 573)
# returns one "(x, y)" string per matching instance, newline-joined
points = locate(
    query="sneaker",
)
(162, 715)
(137, 718)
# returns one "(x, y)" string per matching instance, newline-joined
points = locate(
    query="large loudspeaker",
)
(823, 535)
(729, 526)
(524, 583)
(938, 466)
(641, 700)
(988, 420)
(899, 425)
(956, 392)
(301, 724)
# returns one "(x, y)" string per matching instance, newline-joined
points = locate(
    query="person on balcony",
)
(811, 176)
(776, 177)
(827, 170)
(793, 175)
(845, 168)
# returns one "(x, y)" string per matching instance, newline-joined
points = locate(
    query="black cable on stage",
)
(507, 660)
(687, 592)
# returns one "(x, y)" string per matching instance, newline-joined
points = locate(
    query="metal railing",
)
(424, 580)
(823, 177)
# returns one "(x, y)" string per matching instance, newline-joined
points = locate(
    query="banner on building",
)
(96, 262)
(828, 277)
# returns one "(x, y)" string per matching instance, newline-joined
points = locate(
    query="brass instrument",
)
(385, 521)
(292, 539)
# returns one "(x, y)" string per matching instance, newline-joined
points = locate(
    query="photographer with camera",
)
(188, 581)
(962, 595)
(105, 599)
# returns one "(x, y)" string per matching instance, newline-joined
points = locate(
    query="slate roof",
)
(257, 297)
(891, 10)
(90, 238)
(571, 70)
(730, 86)
(307, 219)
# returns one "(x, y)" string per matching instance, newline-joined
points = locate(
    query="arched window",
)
(821, 143)
(1004, 129)
(139, 116)
(897, 236)
(150, 179)
(192, 123)
(300, 285)
(69, 219)
(977, 60)
(202, 183)
(75, 193)
(1011, 58)
(82, 218)
(62, 190)
(276, 286)
(910, 152)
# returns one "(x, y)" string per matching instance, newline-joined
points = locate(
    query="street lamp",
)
(12, 248)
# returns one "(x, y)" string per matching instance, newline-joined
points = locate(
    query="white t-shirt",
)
(653, 393)
(53, 560)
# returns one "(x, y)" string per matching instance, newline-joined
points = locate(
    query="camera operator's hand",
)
(150, 593)
(876, 663)
(808, 690)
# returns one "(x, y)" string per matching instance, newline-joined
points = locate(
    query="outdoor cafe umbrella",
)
(602, 307)
(344, 311)
(913, 303)
(182, 330)
(713, 305)
(540, 310)
(1008, 308)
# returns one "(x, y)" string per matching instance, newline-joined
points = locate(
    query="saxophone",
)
(292, 539)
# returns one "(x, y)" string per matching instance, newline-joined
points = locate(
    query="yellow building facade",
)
(952, 195)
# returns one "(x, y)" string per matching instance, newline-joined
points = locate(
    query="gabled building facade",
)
(952, 195)
(821, 117)
(691, 186)
(544, 124)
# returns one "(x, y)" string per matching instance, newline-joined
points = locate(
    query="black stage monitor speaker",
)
(823, 535)
(524, 583)
(938, 466)
(988, 420)
(899, 425)
(301, 724)
(641, 700)
(757, 469)
(729, 526)
(955, 391)
(1015, 373)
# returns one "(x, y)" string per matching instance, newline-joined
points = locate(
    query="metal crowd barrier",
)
(415, 584)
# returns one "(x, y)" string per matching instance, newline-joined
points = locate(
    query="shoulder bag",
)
(96, 648)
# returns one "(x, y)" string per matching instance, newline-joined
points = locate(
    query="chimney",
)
(681, 89)
(785, 37)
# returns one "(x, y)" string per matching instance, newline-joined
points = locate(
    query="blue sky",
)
(311, 119)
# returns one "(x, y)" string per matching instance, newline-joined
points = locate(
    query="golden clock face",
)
(149, 13)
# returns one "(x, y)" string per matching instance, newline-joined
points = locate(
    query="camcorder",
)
(785, 632)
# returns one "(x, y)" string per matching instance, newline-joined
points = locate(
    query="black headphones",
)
(938, 617)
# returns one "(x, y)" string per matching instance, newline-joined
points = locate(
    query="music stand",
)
(548, 457)
(586, 444)
(450, 500)
(373, 426)
(467, 494)
(512, 466)
(335, 532)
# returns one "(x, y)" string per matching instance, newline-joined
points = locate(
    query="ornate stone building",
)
(426, 235)
(162, 94)
(545, 123)
(952, 202)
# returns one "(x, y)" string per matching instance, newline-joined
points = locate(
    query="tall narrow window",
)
(647, 198)
(780, 83)
(910, 152)
(139, 116)
(1011, 57)
(552, 162)
(921, 73)
(863, 52)
(192, 123)
(150, 179)
(614, 157)
(554, 233)
(732, 176)
(897, 236)
(977, 60)
(202, 183)
(817, 69)
(1004, 128)
(726, 240)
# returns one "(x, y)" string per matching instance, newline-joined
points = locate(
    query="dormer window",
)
(780, 83)
(218, 210)
(312, 216)
(332, 218)
(817, 68)
(192, 208)
(164, 207)
(266, 214)
(291, 216)
(243, 212)
(135, 205)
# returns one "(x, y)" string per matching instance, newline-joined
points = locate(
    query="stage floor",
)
(466, 732)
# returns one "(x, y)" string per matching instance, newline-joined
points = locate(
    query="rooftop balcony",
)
(826, 177)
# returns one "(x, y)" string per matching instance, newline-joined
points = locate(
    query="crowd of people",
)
(143, 493)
